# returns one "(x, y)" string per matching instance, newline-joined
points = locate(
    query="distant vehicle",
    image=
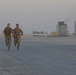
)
(36, 33)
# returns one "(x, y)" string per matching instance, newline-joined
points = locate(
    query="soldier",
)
(7, 33)
(17, 35)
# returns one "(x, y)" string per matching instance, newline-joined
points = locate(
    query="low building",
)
(36, 33)
(53, 34)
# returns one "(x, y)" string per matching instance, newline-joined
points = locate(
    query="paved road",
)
(38, 58)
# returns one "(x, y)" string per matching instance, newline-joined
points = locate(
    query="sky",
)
(37, 15)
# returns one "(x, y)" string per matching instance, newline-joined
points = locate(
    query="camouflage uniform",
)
(17, 35)
(7, 34)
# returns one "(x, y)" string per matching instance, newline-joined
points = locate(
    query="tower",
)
(61, 29)
(75, 27)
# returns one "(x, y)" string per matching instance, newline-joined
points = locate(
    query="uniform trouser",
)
(17, 41)
(8, 40)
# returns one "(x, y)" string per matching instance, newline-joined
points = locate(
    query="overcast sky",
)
(39, 15)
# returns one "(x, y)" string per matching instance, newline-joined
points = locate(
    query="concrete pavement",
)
(38, 57)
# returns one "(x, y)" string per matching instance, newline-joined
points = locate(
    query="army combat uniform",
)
(7, 34)
(17, 35)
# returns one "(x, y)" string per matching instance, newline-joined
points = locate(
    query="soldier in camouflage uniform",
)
(17, 34)
(7, 33)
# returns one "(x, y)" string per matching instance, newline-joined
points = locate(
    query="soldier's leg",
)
(18, 45)
(15, 41)
(19, 41)
(10, 40)
(6, 41)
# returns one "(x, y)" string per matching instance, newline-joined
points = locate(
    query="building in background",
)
(62, 29)
(53, 34)
(75, 28)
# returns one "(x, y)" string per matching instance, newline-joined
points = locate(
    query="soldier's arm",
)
(21, 31)
(12, 32)
(4, 32)
(11, 29)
